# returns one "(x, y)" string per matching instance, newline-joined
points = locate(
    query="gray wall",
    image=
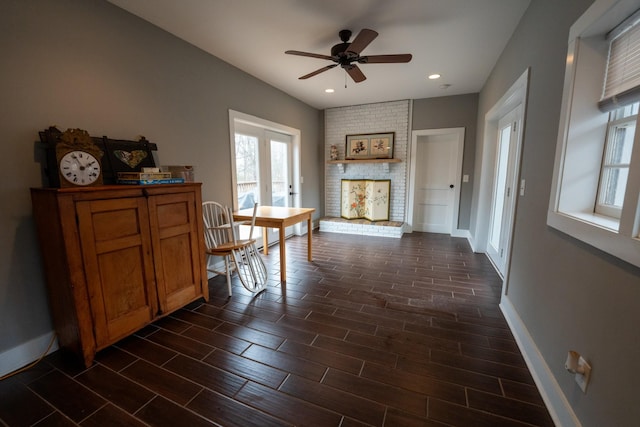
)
(569, 295)
(91, 65)
(452, 112)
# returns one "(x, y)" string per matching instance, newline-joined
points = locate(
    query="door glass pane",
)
(500, 187)
(247, 178)
(247, 170)
(279, 174)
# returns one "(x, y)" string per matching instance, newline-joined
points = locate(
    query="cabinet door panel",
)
(118, 266)
(176, 249)
(108, 225)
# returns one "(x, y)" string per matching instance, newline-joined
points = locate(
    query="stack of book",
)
(146, 178)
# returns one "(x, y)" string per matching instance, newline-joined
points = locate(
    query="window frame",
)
(581, 143)
(615, 123)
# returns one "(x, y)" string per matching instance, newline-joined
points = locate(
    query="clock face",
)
(79, 168)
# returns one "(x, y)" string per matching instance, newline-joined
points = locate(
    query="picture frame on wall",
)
(357, 147)
(369, 146)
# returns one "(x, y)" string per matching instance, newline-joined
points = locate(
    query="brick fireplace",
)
(361, 119)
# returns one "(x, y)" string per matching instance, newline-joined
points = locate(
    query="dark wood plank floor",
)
(375, 331)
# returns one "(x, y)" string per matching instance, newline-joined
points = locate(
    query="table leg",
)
(265, 240)
(309, 251)
(283, 255)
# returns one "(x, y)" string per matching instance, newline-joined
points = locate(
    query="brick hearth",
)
(362, 227)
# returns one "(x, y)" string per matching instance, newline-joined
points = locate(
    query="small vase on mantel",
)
(334, 152)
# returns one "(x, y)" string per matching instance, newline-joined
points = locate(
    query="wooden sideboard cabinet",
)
(116, 258)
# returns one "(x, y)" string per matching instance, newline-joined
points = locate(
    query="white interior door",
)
(436, 177)
(504, 189)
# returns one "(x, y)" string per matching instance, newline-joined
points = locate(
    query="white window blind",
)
(622, 79)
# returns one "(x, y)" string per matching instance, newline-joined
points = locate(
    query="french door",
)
(504, 187)
(263, 168)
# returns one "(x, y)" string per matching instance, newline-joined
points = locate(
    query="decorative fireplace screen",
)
(365, 198)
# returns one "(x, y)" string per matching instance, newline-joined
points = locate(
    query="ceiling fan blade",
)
(385, 59)
(362, 40)
(356, 73)
(311, 55)
(321, 70)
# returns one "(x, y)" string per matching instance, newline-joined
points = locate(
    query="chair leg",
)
(250, 267)
(228, 270)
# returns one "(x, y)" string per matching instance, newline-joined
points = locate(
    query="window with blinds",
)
(595, 195)
(622, 79)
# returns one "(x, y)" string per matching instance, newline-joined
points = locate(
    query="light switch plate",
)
(583, 379)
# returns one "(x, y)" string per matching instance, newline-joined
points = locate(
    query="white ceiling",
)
(459, 39)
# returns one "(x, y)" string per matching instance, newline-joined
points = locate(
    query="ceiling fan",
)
(347, 55)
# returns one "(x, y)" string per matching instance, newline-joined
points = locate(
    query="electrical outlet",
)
(583, 379)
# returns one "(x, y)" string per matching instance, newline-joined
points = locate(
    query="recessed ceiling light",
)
(329, 90)
(434, 76)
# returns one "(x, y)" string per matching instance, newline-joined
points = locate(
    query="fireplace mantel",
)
(343, 163)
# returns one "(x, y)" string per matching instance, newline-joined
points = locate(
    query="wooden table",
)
(280, 218)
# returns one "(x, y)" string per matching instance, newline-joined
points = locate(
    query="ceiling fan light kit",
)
(347, 55)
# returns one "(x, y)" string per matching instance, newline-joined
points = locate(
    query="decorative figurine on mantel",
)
(334, 152)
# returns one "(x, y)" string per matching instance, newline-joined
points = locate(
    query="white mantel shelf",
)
(342, 163)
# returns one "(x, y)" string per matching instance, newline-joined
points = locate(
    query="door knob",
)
(451, 186)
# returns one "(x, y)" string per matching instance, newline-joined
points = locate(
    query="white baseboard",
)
(472, 243)
(17, 357)
(461, 233)
(555, 400)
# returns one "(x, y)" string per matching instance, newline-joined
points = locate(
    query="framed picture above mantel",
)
(369, 146)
